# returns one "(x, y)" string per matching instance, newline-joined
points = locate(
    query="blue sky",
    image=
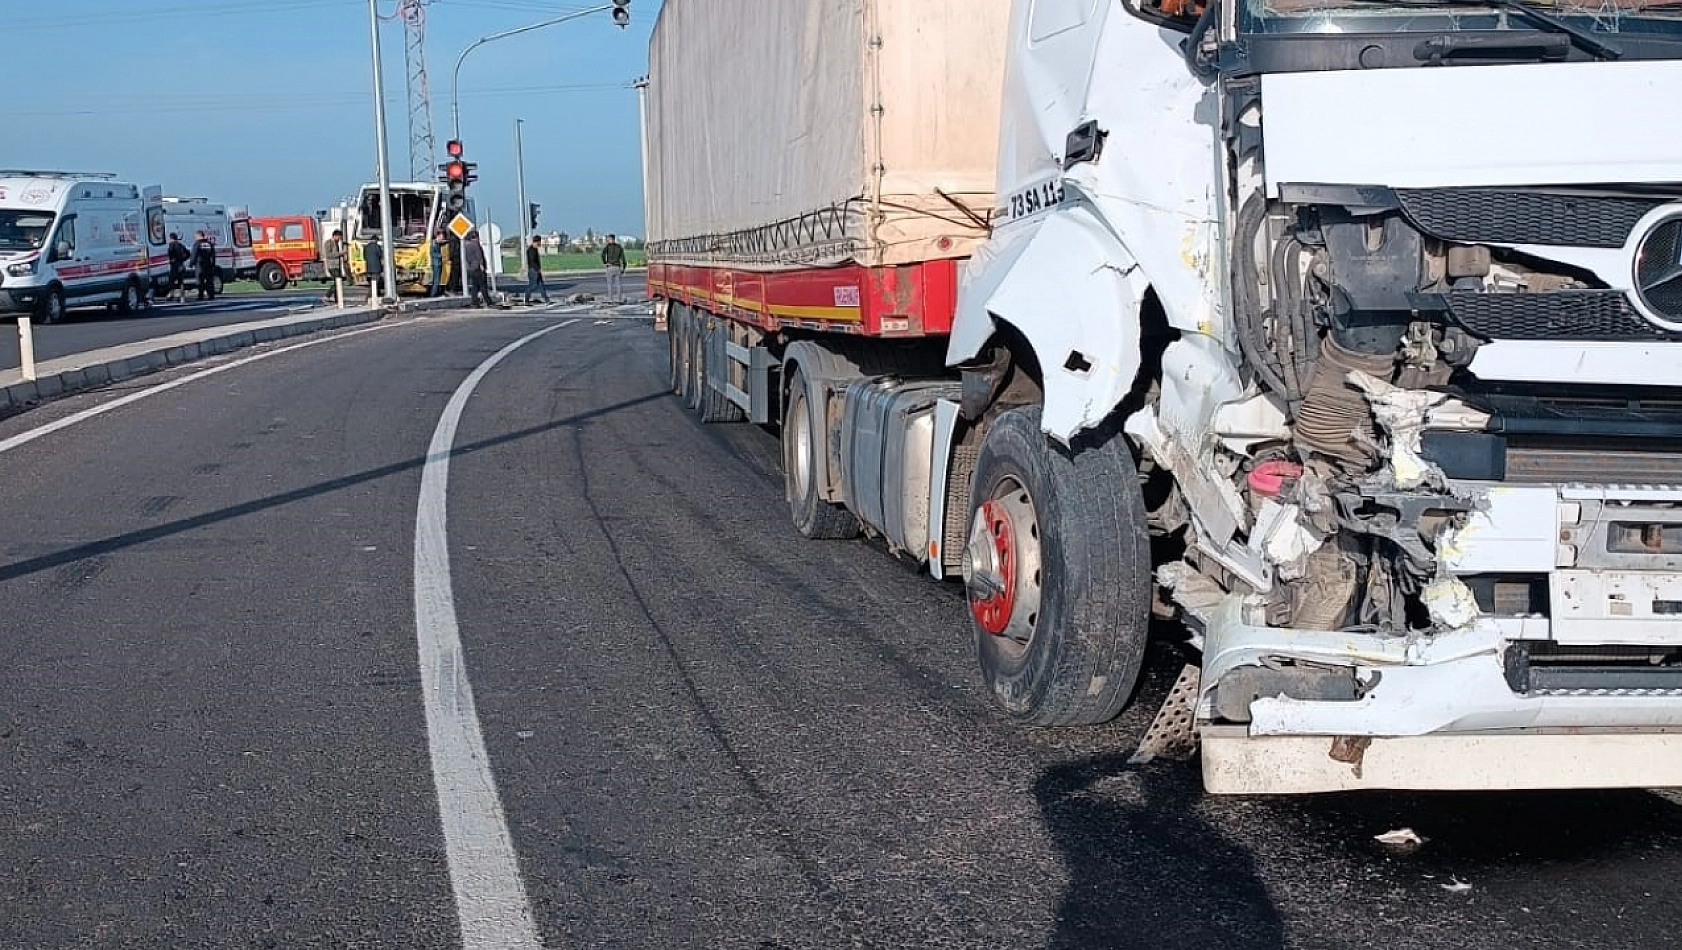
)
(269, 103)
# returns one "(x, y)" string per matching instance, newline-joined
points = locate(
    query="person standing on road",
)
(178, 258)
(373, 262)
(333, 256)
(204, 264)
(534, 271)
(613, 258)
(478, 284)
(440, 241)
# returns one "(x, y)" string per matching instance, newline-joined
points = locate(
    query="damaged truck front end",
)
(1430, 484)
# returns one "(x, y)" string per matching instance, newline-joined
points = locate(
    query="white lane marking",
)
(24, 438)
(491, 900)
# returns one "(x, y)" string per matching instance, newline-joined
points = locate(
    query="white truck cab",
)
(1384, 301)
(72, 240)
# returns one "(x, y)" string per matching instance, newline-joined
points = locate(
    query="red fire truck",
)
(287, 249)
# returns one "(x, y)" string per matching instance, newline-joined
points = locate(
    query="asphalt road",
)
(95, 328)
(705, 732)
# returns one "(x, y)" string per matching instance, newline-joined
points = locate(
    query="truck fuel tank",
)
(886, 450)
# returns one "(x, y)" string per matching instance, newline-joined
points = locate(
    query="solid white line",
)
(491, 900)
(24, 438)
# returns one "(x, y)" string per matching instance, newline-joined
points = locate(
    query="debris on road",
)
(1456, 886)
(1405, 837)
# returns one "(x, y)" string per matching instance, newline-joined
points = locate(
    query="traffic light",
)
(458, 174)
(622, 13)
(535, 208)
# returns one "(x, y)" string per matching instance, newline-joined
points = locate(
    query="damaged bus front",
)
(1407, 380)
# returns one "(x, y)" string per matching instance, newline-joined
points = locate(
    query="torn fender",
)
(1070, 288)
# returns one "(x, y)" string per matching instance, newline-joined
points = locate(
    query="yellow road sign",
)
(460, 225)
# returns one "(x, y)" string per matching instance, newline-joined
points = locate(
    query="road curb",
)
(23, 396)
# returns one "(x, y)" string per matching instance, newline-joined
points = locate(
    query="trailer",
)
(1115, 311)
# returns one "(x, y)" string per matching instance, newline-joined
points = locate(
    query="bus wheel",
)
(1057, 572)
(271, 276)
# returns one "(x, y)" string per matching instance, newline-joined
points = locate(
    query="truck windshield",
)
(1652, 18)
(24, 230)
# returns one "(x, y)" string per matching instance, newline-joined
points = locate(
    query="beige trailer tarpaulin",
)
(787, 133)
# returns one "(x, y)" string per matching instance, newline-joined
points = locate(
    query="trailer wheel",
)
(804, 436)
(714, 406)
(697, 382)
(674, 349)
(1057, 572)
(271, 276)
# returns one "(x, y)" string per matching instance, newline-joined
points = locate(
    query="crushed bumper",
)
(1236, 763)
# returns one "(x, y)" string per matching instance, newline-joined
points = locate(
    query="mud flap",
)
(1173, 733)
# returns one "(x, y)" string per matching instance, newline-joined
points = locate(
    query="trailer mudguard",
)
(1070, 288)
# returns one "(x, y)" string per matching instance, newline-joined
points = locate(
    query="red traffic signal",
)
(456, 171)
(453, 147)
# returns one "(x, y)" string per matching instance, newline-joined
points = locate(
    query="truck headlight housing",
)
(22, 268)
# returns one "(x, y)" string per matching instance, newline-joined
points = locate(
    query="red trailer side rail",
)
(908, 301)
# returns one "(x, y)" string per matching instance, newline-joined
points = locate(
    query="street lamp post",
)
(520, 183)
(455, 81)
(388, 274)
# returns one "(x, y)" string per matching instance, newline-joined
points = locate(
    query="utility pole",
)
(383, 159)
(520, 184)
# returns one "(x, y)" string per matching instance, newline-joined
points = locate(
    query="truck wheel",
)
(674, 334)
(271, 276)
(713, 406)
(52, 306)
(1057, 572)
(805, 434)
(693, 368)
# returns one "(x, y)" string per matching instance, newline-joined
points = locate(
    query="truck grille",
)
(1585, 315)
(1497, 216)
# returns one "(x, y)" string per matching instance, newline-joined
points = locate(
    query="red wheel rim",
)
(993, 612)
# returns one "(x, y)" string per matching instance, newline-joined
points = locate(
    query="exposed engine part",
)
(1246, 684)
(1324, 597)
(1468, 261)
(1412, 521)
(1336, 417)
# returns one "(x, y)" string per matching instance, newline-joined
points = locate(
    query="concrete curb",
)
(22, 396)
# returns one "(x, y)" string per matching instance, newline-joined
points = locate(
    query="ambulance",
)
(229, 228)
(71, 239)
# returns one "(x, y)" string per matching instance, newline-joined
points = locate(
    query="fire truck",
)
(287, 249)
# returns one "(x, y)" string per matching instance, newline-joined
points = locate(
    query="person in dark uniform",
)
(178, 258)
(204, 264)
(534, 271)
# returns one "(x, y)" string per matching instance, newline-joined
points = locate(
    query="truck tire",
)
(692, 387)
(1057, 572)
(714, 407)
(271, 276)
(805, 435)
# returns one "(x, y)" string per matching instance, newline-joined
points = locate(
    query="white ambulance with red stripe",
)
(72, 239)
(229, 228)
